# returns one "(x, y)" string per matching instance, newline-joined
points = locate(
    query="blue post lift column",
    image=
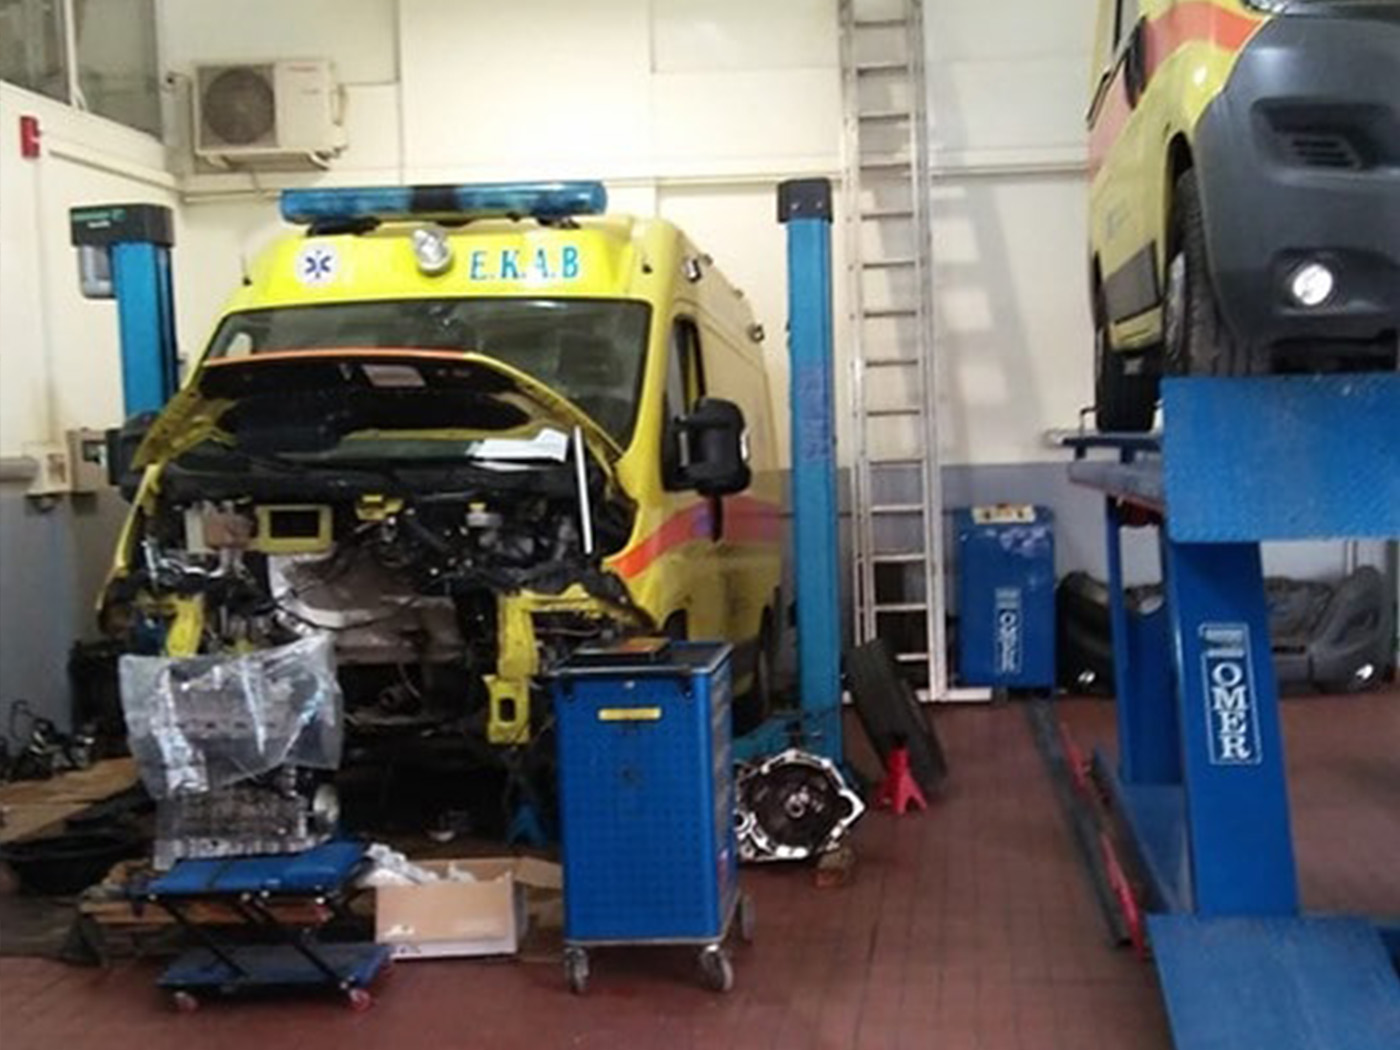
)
(1200, 781)
(124, 253)
(804, 206)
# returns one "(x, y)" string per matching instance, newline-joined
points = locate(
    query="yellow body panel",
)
(1190, 48)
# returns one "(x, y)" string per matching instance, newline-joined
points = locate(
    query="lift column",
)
(804, 206)
(124, 253)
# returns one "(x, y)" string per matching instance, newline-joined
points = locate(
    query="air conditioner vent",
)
(239, 107)
(272, 110)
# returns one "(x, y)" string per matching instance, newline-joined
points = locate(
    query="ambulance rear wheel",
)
(754, 707)
(1123, 400)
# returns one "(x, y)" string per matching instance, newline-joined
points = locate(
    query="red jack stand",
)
(898, 791)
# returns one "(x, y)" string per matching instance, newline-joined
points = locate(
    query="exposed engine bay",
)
(443, 519)
(408, 584)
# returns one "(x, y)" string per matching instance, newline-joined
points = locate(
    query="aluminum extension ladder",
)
(897, 501)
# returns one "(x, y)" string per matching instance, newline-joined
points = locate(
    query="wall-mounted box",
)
(87, 460)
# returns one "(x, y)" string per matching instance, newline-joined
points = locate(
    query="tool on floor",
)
(43, 749)
(899, 791)
(1097, 831)
(793, 806)
(646, 794)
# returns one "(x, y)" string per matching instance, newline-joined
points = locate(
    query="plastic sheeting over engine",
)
(201, 723)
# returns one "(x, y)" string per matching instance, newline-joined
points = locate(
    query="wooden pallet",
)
(29, 808)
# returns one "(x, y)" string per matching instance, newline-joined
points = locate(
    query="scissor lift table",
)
(253, 887)
(1200, 779)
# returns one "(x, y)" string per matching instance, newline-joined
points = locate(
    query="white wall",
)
(59, 354)
(59, 368)
(696, 109)
(1007, 85)
(692, 109)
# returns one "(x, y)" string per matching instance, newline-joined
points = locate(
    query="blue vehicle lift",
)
(1200, 780)
(124, 253)
(804, 207)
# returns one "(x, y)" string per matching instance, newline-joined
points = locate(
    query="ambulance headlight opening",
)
(432, 251)
(1311, 284)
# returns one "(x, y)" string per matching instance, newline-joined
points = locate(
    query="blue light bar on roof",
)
(540, 200)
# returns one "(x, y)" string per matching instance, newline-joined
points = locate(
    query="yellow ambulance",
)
(1245, 201)
(467, 429)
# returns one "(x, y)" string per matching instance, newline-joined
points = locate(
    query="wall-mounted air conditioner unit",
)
(280, 110)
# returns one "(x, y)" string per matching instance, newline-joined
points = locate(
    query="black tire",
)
(676, 627)
(754, 707)
(1197, 339)
(890, 713)
(1122, 400)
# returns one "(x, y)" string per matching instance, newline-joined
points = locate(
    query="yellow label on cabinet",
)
(629, 714)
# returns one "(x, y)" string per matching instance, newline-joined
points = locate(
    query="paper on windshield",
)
(548, 444)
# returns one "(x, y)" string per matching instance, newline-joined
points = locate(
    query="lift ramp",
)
(1201, 778)
(1276, 983)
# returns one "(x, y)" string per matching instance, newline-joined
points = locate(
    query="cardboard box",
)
(452, 919)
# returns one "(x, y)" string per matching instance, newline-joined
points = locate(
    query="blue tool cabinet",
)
(646, 793)
(1006, 597)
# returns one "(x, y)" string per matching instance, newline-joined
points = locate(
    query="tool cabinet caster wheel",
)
(184, 1002)
(747, 918)
(716, 969)
(576, 970)
(359, 1000)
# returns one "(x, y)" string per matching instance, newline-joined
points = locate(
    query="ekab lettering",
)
(516, 264)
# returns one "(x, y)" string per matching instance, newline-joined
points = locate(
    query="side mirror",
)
(1135, 63)
(715, 448)
(122, 443)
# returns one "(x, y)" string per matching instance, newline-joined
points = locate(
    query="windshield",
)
(589, 351)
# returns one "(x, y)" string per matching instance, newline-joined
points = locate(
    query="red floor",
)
(968, 928)
(1344, 794)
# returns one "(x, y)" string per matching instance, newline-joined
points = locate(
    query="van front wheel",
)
(1197, 339)
(757, 704)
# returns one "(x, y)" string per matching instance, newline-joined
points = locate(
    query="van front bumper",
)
(1298, 162)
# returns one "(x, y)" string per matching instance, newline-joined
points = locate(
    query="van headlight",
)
(432, 251)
